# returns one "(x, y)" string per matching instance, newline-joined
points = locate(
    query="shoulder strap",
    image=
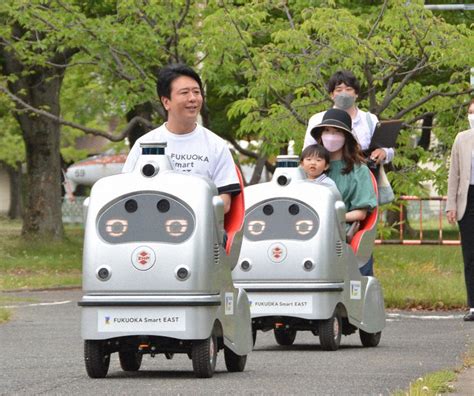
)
(369, 121)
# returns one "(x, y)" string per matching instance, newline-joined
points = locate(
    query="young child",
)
(315, 162)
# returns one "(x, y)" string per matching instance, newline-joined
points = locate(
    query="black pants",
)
(466, 226)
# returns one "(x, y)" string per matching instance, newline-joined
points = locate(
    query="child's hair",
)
(316, 150)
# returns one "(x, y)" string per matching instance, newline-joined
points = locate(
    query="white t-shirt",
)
(200, 151)
(360, 126)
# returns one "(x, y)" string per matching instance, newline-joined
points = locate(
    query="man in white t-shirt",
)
(191, 147)
(343, 88)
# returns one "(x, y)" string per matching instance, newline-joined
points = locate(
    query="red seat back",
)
(234, 218)
(369, 223)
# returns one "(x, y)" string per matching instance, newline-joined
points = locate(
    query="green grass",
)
(429, 277)
(34, 264)
(5, 315)
(438, 382)
(431, 385)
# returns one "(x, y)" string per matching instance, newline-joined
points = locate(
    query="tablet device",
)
(385, 134)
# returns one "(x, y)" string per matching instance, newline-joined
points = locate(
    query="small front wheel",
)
(204, 356)
(96, 358)
(130, 360)
(330, 332)
(284, 336)
(233, 362)
(370, 339)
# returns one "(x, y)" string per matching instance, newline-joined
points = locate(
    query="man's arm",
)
(382, 155)
(226, 198)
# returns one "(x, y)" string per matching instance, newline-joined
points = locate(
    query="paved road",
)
(41, 353)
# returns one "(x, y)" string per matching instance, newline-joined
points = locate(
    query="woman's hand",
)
(451, 215)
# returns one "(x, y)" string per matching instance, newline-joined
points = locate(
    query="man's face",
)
(185, 100)
(343, 88)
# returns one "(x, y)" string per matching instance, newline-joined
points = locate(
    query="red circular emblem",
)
(143, 258)
(277, 252)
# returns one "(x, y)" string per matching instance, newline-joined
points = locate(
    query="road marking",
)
(38, 304)
(395, 316)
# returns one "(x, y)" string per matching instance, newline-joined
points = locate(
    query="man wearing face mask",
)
(343, 88)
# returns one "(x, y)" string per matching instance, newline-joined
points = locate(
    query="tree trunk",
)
(42, 214)
(16, 205)
(425, 138)
(144, 110)
(257, 172)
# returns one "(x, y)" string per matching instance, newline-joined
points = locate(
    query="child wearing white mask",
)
(347, 166)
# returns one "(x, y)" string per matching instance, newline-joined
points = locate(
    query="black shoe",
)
(469, 317)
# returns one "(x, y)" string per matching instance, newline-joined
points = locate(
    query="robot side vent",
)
(216, 253)
(339, 248)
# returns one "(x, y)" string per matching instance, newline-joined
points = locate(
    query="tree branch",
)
(247, 52)
(428, 97)
(246, 152)
(90, 131)
(377, 21)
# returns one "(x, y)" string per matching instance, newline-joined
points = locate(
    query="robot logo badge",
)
(277, 252)
(143, 258)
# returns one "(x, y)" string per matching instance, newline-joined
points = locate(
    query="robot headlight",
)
(256, 227)
(116, 227)
(176, 228)
(304, 227)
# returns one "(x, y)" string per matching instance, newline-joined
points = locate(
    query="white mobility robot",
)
(298, 269)
(157, 272)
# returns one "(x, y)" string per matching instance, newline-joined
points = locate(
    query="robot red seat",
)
(234, 219)
(362, 243)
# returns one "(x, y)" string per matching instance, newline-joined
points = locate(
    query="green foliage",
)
(12, 149)
(265, 64)
(272, 60)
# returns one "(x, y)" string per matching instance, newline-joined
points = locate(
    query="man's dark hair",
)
(170, 73)
(343, 77)
(316, 150)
